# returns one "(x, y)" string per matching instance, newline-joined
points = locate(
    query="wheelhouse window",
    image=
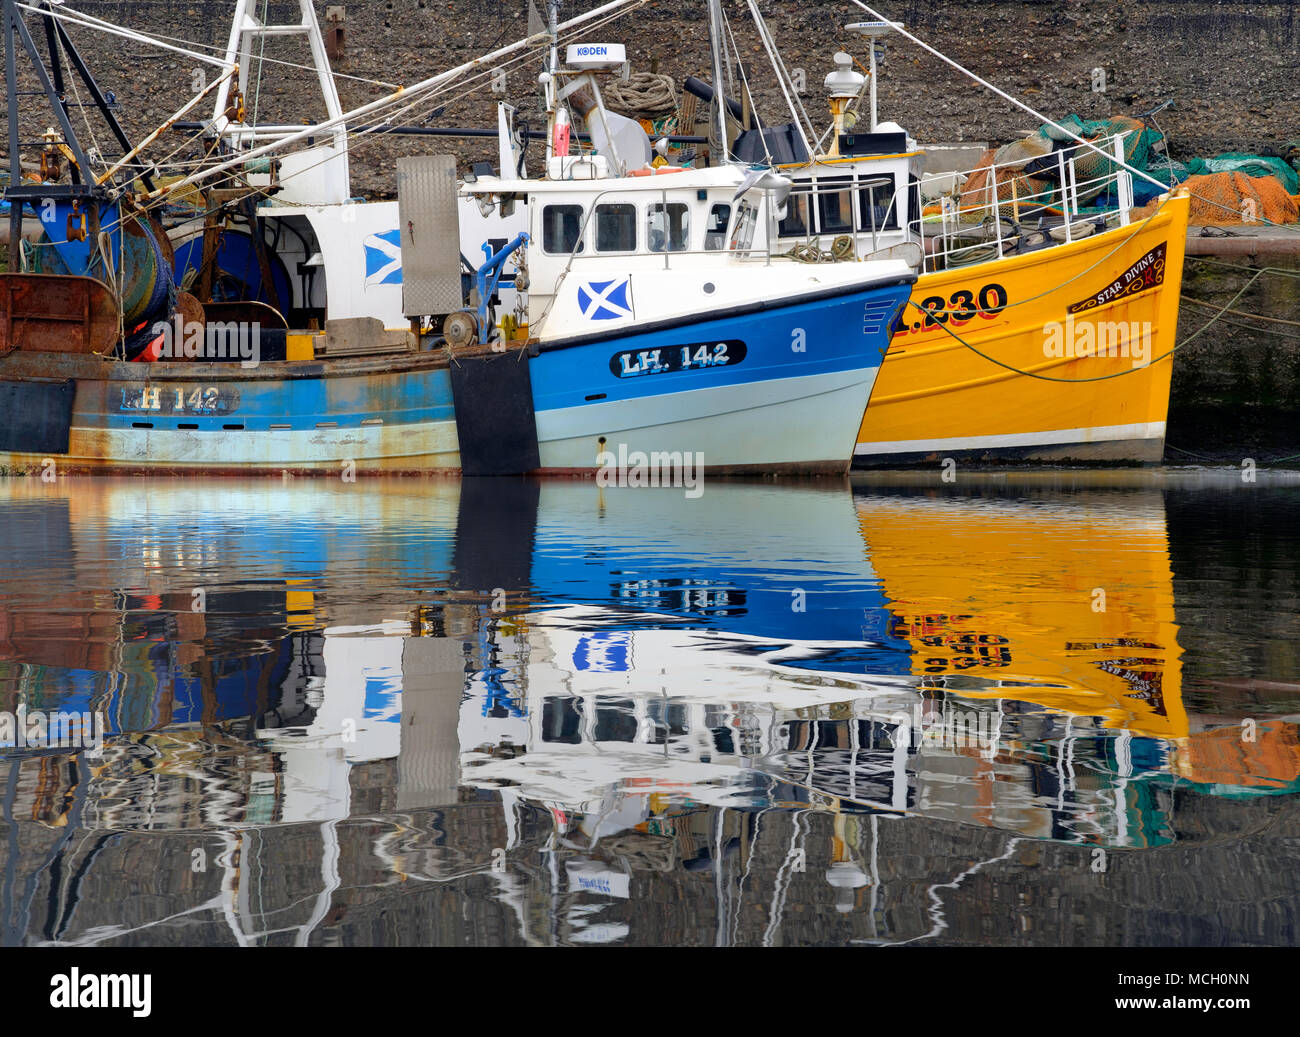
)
(715, 231)
(668, 228)
(835, 205)
(561, 229)
(877, 205)
(798, 214)
(742, 238)
(616, 227)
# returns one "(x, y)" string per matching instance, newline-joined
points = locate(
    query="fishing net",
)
(1234, 198)
(1095, 173)
(1235, 187)
(1251, 165)
(1015, 188)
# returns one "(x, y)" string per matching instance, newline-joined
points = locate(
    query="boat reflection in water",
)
(566, 703)
(1004, 662)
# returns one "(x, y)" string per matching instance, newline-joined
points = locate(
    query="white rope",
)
(782, 76)
(86, 21)
(744, 82)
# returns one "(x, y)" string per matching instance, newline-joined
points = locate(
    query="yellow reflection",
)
(1065, 602)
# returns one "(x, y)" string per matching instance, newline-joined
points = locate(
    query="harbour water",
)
(1014, 709)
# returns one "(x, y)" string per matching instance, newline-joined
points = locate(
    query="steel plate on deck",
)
(56, 313)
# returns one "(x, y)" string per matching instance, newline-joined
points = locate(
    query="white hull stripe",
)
(1104, 434)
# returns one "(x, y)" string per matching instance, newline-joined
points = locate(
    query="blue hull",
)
(780, 388)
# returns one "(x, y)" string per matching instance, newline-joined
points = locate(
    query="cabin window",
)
(798, 215)
(561, 229)
(742, 239)
(877, 205)
(668, 228)
(616, 227)
(715, 231)
(835, 205)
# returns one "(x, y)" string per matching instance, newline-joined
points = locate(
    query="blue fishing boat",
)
(663, 330)
(662, 336)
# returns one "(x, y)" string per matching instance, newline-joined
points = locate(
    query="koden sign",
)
(595, 55)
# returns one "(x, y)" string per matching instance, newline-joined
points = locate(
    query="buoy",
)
(560, 141)
(652, 171)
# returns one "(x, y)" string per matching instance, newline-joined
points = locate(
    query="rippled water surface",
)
(1044, 708)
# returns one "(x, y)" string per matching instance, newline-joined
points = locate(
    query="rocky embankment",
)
(1229, 67)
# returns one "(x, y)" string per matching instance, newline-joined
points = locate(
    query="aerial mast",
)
(720, 104)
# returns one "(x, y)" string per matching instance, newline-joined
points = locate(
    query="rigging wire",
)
(898, 28)
(88, 21)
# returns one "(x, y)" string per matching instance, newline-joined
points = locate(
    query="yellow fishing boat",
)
(1056, 355)
(1042, 324)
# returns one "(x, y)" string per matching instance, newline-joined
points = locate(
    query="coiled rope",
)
(841, 251)
(645, 95)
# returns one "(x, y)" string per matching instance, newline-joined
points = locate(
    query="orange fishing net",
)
(1233, 198)
(1013, 187)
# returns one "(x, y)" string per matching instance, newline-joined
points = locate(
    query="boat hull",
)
(365, 416)
(777, 389)
(1114, 293)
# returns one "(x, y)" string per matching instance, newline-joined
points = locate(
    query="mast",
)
(407, 95)
(15, 163)
(552, 72)
(715, 46)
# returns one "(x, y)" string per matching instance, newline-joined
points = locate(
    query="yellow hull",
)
(1105, 305)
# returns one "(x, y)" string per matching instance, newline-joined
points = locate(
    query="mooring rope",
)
(1106, 377)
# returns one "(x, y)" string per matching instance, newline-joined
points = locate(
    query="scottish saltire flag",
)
(384, 257)
(603, 653)
(606, 300)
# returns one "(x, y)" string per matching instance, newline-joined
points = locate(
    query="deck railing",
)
(980, 229)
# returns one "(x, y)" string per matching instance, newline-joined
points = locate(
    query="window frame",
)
(579, 244)
(634, 220)
(845, 186)
(722, 237)
(865, 190)
(665, 209)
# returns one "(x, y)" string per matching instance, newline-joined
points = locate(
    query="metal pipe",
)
(15, 163)
(433, 131)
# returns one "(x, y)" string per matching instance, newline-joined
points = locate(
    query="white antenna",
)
(873, 31)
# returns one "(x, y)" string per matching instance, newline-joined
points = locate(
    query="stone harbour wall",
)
(1229, 67)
